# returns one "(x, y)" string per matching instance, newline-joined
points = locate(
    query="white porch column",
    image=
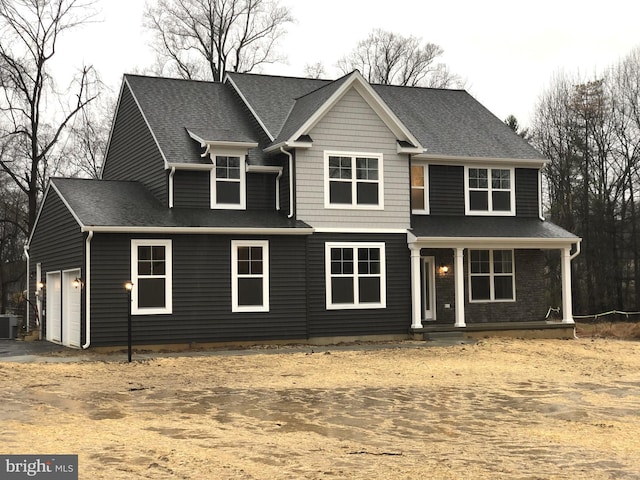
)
(416, 294)
(567, 310)
(459, 284)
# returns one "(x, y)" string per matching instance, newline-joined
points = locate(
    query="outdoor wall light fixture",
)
(77, 283)
(444, 269)
(40, 286)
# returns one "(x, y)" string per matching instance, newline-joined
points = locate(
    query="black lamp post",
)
(128, 287)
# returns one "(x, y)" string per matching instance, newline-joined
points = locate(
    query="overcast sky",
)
(507, 51)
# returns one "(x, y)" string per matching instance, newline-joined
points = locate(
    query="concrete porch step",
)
(449, 337)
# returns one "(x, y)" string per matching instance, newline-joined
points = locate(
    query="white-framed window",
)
(489, 191)
(353, 180)
(355, 275)
(420, 188)
(491, 276)
(228, 178)
(151, 275)
(249, 276)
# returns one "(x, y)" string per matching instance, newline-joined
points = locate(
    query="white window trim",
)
(353, 205)
(168, 301)
(425, 170)
(492, 275)
(243, 180)
(234, 275)
(490, 211)
(383, 275)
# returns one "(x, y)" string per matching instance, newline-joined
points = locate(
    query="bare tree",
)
(201, 39)
(89, 135)
(314, 70)
(391, 59)
(29, 33)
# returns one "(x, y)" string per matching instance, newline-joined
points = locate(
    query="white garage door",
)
(71, 300)
(54, 304)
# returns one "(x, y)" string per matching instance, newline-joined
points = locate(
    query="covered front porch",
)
(492, 277)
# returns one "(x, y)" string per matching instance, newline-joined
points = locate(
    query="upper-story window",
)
(420, 188)
(353, 180)
(228, 182)
(489, 191)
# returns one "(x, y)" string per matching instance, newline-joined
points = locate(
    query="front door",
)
(428, 281)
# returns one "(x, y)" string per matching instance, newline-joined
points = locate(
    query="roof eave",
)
(494, 242)
(458, 159)
(197, 230)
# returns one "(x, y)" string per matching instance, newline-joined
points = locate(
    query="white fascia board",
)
(200, 230)
(191, 166)
(253, 112)
(221, 143)
(455, 160)
(287, 145)
(263, 169)
(374, 100)
(410, 150)
(359, 230)
(144, 117)
(493, 242)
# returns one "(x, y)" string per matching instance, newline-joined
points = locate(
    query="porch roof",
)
(445, 231)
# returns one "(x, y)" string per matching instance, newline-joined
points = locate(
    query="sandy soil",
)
(500, 408)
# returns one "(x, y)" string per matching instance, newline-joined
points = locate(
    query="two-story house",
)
(286, 209)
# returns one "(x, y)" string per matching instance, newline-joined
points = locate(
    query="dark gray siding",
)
(57, 243)
(261, 191)
(133, 153)
(527, 192)
(201, 293)
(191, 189)
(446, 190)
(395, 319)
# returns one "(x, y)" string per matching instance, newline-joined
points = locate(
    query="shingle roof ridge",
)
(188, 80)
(419, 87)
(293, 77)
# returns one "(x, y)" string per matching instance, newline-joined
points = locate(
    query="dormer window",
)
(228, 181)
(489, 191)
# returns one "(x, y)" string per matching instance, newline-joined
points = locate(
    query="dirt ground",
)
(496, 409)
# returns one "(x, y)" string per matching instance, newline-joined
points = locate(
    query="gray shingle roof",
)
(453, 123)
(272, 98)
(104, 203)
(446, 122)
(172, 106)
(433, 226)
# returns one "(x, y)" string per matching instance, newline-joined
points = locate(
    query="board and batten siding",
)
(201, 293)
(133, 153)
(395, 319)
(352, 126)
